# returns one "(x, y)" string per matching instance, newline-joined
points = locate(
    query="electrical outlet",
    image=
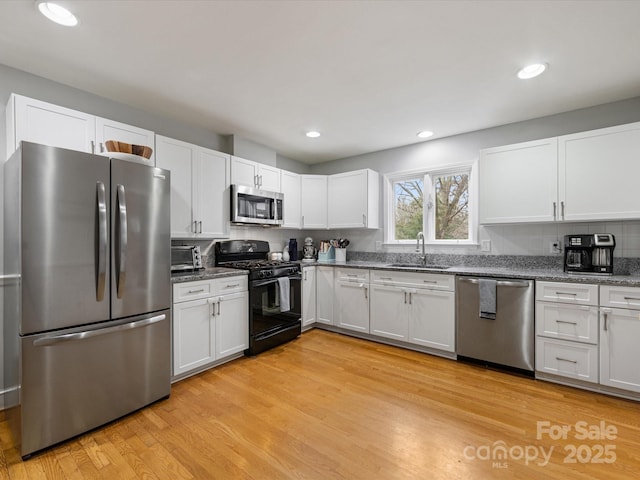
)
(378, 246)
(555, 246)
(485, 245)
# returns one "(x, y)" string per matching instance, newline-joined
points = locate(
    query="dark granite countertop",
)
(206, 274)
(552, 275)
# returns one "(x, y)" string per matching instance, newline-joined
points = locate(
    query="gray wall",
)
(23, 83)
(466, 146)
(507, 239)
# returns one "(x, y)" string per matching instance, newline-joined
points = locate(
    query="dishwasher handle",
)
(500, 283)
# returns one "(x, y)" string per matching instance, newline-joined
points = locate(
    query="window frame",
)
(429, 175)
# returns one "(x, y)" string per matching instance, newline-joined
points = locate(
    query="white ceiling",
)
(367, 74)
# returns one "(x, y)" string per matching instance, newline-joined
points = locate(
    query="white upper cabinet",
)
(199, 188)
(519, 183)
(41, 122)
(599, 173)
(353, 199)
(290, 187)
(314, 201)
(580, 177)
(254, 174)
(111, 130)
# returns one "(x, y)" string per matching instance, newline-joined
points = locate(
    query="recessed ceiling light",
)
(57, 13)
(532, 70)
(313, 134)
(425, 134)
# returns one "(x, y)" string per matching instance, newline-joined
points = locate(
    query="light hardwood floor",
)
(327, 406)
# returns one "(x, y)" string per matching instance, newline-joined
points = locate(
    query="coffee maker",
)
(591, 253)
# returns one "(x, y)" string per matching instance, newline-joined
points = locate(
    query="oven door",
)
(268, 311)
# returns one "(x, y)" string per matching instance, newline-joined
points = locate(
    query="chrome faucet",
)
(423, 257)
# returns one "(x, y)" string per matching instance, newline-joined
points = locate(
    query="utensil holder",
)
(341, 255)
(328, 256)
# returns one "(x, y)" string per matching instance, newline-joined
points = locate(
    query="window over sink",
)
(441, 202)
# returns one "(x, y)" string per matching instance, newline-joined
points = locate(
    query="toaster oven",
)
(185, 258)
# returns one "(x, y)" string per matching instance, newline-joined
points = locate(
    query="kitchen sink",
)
(419, 265)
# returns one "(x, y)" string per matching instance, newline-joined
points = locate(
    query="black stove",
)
(275, 292)
(264, 268)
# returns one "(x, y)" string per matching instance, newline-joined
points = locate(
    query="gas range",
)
(252, 255)
(259, 269)
(275, 292)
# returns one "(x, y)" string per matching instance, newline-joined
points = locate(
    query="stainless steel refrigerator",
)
(87, 319)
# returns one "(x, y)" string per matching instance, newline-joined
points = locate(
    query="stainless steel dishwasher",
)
(507, 339)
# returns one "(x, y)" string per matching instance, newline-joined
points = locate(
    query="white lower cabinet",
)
(308, 296)
(232, 324)
(567, 330)
(414, 307)
(433, 319)
(193, 335)
(619, 335)
(210, 322)
(389, 312)
(324, 295)
(351, 297)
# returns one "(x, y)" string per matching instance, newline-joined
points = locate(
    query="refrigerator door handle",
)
(121, 248)
(101, 264)
(71, 337)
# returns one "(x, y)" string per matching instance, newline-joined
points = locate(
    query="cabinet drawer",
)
(569, 322)
(183, 292)
(582, 293)
(621, 297)
(226, 285)
(567, 359)
(432, 281)
(352, 275)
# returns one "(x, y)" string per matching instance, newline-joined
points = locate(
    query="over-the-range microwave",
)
(254, 206)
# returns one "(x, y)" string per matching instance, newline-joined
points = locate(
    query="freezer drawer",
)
(74, 380)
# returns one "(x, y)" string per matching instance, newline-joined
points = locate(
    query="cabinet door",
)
(121, 132)
(244, 172)
(352, 306)
(519, 183)
(599, 173)
(347, 200)
(269, 178)
(432, 319)
(314, 201)
(324, 295)
(179, 158)
(389, 312)
(211, 193)
(193, 335)
(231, 324)
(49, 124)
(308, 296)
(619, 352)
(290, 187)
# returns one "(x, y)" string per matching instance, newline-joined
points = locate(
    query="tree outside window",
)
(431, 202)
(409, 208)
(452, 207)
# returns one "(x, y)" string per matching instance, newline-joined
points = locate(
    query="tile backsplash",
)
(533, 240)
